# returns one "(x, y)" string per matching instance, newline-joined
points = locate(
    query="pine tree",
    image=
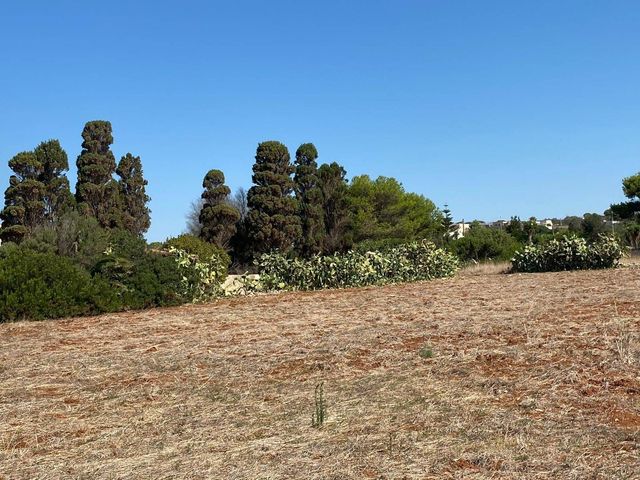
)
(57, 194)
(272, 223)
(447, 224)
(334, 188)
(309, 196)
(24, 206)
(96, 191)
(218, 217)
(134, 215)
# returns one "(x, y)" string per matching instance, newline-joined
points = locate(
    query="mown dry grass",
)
(531, 377)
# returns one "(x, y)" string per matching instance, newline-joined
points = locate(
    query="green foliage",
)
(43, 285)
(405, 263)
(198, 247)
(71, 235)
(482, 243)
(448, 228)
(426, 352)
(149, 280)
(203, 264)
(134, 215)
(310, 201)
(97, 193)
(631, 186)
(24, 206)
(57, 197)
(568, 253)
(320, 407)
(335, 205)
(218, 218)
(383, 213)
(592, 226)
(201, 277)
(272, 221)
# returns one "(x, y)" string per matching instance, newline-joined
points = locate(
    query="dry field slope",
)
(532, 376)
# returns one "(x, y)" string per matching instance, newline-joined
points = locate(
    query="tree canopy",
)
(218, 217)
(272, 221)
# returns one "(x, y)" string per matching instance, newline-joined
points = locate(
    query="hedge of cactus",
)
(404, 263)
(569, 253)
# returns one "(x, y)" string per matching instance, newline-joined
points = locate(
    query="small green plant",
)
(320, 413)
(426, 352)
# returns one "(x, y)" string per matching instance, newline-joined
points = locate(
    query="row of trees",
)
(307, 209)
(39, 191)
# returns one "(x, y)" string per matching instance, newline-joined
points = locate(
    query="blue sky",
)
(496, 108)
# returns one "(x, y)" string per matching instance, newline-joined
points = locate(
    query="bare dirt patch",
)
(530, 376)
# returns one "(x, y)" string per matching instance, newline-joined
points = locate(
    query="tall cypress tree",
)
(24, 206)
(57, 195)
(337, 219)
(272, 223)
(218, 217)
(309, 197)
(134, 215)
(96, 190)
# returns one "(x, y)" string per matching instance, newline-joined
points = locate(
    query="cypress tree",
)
(96, 190)
(310, 202)
(272, 223)
(133, 212)
(218, 217)
(24, 206)
(57, 194)
(337, 219)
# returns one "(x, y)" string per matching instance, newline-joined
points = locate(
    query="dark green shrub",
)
(156, 280)
(125, 244)
(482, 243)
(41, 285)
(568, 253)
(148, 280)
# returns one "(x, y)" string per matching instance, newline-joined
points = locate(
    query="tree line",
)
(39, 193)
(297, 207)
(294, 206)
(301, 208)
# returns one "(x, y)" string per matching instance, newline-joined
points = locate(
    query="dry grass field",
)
(481, 376)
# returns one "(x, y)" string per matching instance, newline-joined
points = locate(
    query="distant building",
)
(499, 224)
(460, 229)
(547, 223)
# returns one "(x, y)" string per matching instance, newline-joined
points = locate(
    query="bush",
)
(204, 265)
(147, 280)
(196, 246)
(405, 263)
(42, 285)
(201, 278)
(75, 236)
(568, 253)
(481, 243)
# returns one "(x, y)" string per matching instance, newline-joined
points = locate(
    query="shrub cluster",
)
(404, 263)
(37, 285)
(482, 243)
(568, 253)
(46, 278)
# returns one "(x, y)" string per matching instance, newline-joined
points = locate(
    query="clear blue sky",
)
(496, 108)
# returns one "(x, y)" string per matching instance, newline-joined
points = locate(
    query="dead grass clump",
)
(485, 268)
